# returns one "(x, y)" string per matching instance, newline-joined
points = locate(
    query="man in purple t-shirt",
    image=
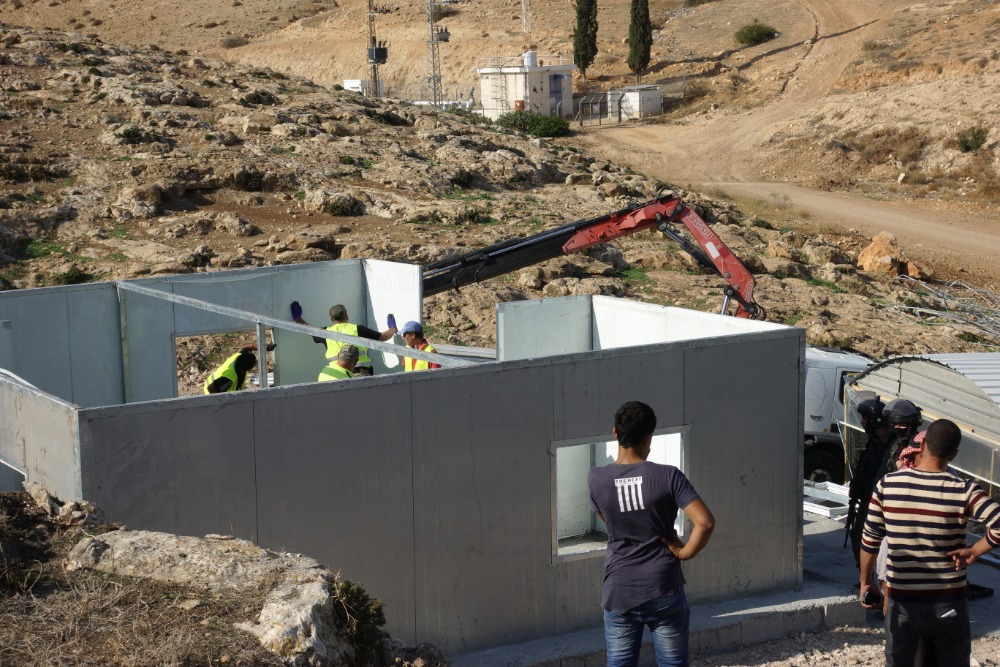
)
(643, 582)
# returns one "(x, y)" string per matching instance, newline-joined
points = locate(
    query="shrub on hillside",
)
(755, 33)
(534, 124)
(972, 139)
(234, 42)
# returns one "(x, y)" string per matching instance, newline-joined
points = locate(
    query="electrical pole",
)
(526, 24)
(435, 36)
(378, 54)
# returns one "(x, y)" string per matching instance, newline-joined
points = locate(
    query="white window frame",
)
(593, 543)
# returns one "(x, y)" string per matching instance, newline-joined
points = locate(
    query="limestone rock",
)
(782, 250)
(141, 201)
(824, 254)
(297, 621)
(333, 203)
(786, 268)
(300, 256)
(881, 256)
(323, 237)
(42, 498)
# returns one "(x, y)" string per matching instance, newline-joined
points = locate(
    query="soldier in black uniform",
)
(871, 467)
(904, 418)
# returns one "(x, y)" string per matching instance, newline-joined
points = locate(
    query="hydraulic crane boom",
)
(661, 213)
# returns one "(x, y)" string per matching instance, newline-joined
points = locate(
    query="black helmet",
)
(902, 411)
(872, 409)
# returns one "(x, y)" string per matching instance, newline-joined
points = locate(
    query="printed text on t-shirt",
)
(629, 494)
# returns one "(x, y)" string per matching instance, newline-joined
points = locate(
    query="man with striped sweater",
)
(922, 513)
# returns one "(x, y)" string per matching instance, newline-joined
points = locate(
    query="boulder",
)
(818, 254)
(339, 204)
(323, 237)
(297, 621)
(140, 201)
(300, 256)
(782, 250)
(881, 256)
(783, 268)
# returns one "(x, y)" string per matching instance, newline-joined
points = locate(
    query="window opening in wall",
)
(198, 356)
(579, 532)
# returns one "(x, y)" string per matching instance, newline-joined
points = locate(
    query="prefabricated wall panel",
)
(178, 466)
(38, 438)
(434, 488)
(66, 341)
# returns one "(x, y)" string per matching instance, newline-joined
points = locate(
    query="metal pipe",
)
(275, 323)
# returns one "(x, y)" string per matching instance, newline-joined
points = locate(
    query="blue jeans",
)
(668, 619)
(944, 627)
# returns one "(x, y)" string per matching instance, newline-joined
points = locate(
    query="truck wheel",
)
(823, 466)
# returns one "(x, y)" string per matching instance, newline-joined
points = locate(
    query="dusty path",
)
(717, 151)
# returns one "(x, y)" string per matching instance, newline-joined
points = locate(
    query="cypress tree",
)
(585, 35)
(640, 37)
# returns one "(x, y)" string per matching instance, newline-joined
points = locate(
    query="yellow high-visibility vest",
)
(411, 364)
(333, 346)
(226, 370)
(334, 372)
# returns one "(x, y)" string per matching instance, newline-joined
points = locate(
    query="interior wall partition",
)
(94, 345)
(66, 341)
(39, 440)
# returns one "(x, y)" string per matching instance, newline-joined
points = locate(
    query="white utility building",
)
(634, 102)
(529, 82)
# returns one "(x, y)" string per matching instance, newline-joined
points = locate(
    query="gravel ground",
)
(833, 648)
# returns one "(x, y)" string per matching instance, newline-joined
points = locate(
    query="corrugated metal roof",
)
(980, 368)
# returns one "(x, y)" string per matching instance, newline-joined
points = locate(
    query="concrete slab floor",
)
(828, 599)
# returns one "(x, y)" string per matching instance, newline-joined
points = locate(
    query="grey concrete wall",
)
(78, 343)
(434, 489)
(66, 341)
(38, 437)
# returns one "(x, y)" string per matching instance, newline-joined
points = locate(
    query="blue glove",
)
(296, 310)
(391, 321)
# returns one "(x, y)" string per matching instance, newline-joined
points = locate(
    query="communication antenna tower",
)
(435, 36)
(526, 24)
(378, 54)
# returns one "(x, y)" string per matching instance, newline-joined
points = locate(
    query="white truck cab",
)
(826, 370)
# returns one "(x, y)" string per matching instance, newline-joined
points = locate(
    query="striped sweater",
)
(923, 516)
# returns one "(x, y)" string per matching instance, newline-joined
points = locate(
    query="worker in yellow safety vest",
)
(343, 367)
(338, 315)
(413, 334)
(232, 374)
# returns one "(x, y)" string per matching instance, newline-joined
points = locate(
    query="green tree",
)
(640, 37)
(585, 35)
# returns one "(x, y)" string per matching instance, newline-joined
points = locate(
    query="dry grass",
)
(52, 617)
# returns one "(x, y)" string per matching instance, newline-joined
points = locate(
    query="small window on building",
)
(579, 532)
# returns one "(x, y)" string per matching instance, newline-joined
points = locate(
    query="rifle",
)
(852, 512)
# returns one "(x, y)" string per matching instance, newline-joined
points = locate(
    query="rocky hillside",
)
(121, 162)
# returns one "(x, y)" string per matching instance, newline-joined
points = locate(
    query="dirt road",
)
(722, 150)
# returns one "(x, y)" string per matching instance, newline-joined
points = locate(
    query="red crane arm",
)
(662, 213)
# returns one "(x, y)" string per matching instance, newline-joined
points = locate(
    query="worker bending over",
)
(343, 367)
(413, 335)
(232, 374)
(338, 315)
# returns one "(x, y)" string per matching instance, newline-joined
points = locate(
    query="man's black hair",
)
(633, 422)
(246, 361)
(942, 439)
